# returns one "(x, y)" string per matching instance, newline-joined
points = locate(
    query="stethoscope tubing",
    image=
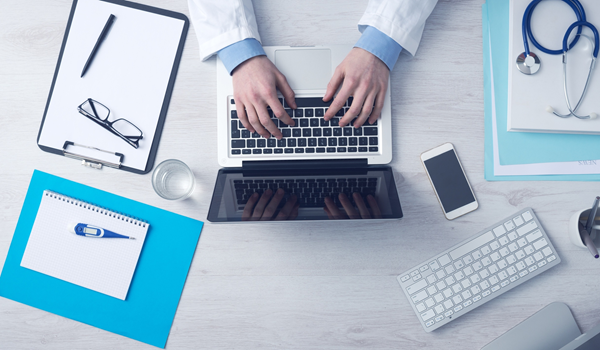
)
(527, 33)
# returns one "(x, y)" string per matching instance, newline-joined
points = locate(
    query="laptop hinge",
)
(325, 164)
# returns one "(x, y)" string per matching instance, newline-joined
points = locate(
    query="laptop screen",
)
(241, 196)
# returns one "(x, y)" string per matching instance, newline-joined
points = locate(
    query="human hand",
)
(363, 212)
(363, 76)
(255, 84)
(264, 208)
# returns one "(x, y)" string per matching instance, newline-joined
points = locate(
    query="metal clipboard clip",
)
(89, 161)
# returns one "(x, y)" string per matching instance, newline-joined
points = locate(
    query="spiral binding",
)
(96, 208)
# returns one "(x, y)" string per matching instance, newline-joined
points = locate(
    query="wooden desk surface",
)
(316, 285)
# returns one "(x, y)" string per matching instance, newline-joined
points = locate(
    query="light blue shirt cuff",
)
(235, 54)
(380, 45)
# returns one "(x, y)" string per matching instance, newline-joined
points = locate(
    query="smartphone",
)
(449, 181)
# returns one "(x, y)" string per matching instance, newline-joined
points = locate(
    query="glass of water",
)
(173, 180)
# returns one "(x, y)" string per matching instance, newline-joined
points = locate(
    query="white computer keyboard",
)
(479, 269)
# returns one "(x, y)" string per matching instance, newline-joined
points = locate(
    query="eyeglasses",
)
(123, 128)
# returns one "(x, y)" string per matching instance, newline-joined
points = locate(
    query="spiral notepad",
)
(105, 265)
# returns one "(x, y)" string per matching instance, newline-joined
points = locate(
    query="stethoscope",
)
(529, 63)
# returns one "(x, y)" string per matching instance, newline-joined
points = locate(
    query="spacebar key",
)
(474, 244)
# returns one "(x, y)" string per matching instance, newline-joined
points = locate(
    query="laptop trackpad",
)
(305, 69)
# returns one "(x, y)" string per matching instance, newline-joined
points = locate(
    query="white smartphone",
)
(449, 181)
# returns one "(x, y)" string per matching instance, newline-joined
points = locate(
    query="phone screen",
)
(449, 181)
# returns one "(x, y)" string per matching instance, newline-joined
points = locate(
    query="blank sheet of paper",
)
(105, 265)
(129, 74)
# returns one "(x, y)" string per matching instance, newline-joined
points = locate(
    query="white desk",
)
(317, 285)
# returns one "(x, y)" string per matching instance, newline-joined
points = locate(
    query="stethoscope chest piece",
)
(528, 64)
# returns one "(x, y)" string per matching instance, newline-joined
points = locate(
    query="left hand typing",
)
(363, 76)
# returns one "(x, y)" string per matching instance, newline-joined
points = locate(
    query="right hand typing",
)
(255, 84)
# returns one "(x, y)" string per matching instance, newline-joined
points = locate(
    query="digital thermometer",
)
(86, 230)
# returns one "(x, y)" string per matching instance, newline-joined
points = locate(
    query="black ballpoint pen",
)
(107, 26)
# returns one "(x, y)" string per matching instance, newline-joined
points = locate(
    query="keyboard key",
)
(444, 260)
(533, 236)
(330, 149)
(518, 220)
(236, 151)
(291, 142)
(342, 141)
(267, 151)
(286, 133)
(314, 122)
(372, 141)
(246, 151)
(347, 131)
(320, 150)
(341, 149)
(527, 216)
(427, 315)
(261, 143)
(238, 143)
(298, 113)
(332, 141)
(289, 150)
(362, 149)
(257, 151)
(304, 123)
(310, 150)
(306, 132)
(499, 231)
(234, 115)
(278, 150)
(319, 112)
(299, 150)
(352, 149)
(417, 298)
(327, 132)
(530, 226)
(281, 143)
(311, 102)
(416, 287)
(373, 149)
(370, 131)
(245, 134)
(358, 131)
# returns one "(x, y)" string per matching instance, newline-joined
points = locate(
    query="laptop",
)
(315, 161)
(551, 328)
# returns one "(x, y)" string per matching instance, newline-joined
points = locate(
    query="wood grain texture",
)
(315, 285)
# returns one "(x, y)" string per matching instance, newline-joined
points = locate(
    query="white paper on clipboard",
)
(129, 74)
(530, 95)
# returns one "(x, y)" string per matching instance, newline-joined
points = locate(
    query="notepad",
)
(105, 265)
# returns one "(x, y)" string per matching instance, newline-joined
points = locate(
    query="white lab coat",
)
(220, 23)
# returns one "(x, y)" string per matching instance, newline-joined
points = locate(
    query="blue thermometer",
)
(86, 230)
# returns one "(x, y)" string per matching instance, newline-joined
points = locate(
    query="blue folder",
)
(147, 313)
(519, 147)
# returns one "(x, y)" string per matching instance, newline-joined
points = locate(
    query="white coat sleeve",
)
(220, 23)
(401, 20)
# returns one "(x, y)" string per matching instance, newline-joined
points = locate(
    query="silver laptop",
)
(308, 70)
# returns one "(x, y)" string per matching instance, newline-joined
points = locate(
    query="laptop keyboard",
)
(311, 134)
(311, 192)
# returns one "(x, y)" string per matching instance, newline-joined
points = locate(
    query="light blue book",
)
(147, 313)
(522, 147)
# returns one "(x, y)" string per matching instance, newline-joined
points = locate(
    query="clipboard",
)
(133, 74)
